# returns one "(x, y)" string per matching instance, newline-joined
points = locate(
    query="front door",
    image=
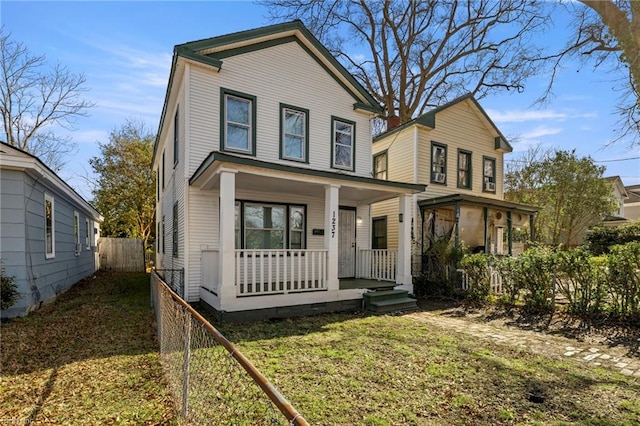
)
(347, 244)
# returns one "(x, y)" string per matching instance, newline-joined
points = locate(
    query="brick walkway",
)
(616, 358)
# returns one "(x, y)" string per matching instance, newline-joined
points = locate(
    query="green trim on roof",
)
(474, 200)
(223, 157)
(194, 56)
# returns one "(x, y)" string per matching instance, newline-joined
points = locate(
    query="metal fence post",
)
(185, 372)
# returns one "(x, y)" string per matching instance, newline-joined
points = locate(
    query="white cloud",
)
(521, 116)
(541, 131)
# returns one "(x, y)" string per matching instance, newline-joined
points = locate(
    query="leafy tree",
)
(570, 192)
(125, 191)
(35, 98)
(421, 54)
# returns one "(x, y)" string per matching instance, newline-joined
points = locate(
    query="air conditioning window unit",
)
(490, 186)
(439, 177)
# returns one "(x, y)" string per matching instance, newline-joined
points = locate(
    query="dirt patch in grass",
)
(88, 358)
(393, 370)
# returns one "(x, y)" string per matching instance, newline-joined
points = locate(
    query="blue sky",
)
(125, 48)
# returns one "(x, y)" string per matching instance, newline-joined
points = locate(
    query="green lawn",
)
(89, 358)
(392, 370)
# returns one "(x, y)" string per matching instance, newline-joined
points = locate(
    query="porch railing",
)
(261, 272)
(378, 264)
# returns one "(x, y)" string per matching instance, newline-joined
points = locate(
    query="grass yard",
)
(89, 358)
(392, 370)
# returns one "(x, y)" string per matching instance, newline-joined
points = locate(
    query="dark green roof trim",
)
(429, 120)
(174, 62)
(270, 30)
(223, 157)
(194, 56)
(367, 107)
(475, 200)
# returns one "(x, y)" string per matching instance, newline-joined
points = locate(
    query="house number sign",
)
(333, 225)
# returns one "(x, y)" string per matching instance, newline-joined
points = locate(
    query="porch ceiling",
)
(278, 178)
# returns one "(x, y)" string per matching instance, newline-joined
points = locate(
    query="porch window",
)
(270, 226)
(239, 126)
(50, 227)
(464, 169)
(488, 174)
(438, 163)
(380, 162)
(343, 143)
(76, 232)
(294, 130)
(379, 232)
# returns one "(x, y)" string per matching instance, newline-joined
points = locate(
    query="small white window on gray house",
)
(238, 130)
(343, 143)
(87, 234)
(76, 233)
(50, 227)
(176, 137)
(294, 128)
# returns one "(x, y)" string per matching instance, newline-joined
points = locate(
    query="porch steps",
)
(385, 301)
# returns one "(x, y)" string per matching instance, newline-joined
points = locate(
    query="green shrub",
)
(8, 290)
(476, 266)
(600, 239)
(509, 269)
(581, 281)
(535, 277)
(623, 276)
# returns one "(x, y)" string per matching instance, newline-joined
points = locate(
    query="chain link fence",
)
(174, 278)
(211, 381)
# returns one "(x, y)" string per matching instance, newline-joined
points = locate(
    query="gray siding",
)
(23, 241)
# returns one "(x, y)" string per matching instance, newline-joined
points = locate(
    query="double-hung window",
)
(50, 227)
(344, 141)
(380, 162)
(239, 122)
(464, 169)
(176, 137)
(379, 233)
(294, 131)
(76, 232)
(488, 174)
(87, 235)
(265, 226)
(438, 163)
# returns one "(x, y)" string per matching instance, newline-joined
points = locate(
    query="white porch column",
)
(226, 269)
(331, 206)
(403, 271)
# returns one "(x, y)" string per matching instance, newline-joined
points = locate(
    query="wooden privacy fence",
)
(121, 254)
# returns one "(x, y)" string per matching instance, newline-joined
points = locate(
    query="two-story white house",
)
(265, 185)
(459, 152)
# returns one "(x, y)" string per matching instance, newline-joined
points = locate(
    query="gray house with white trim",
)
(48, 232)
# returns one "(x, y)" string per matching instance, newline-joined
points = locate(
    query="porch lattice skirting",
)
(261, 272)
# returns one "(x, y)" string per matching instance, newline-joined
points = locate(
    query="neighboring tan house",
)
(48, 233)
(632, 203)
(459, 152)
(620, 195)
(264, 189)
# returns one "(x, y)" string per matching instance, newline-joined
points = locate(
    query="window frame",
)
(240, 208)
(469, 169)
(76, 232)
(164, 237)
(163, 168)
(305, 137)
(48, 198)
(386, 165)
(374, 237)
(224, 94)
(335, 120)
(176, 137)
(158, 183)
(87, 234)
(485, 176)
(432, 173)
(175, 243)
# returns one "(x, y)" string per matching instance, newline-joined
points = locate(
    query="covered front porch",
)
(294, 236)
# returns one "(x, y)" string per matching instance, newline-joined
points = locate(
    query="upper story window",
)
(464, 169)
(238, 131)
(488, 174)
(380, 163)
(294, 131)
(49, 227)
(343, 147)
(176, 137)
(438, 163)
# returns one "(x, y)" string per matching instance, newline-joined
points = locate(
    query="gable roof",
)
(634, 194)
(15, 158)
(617, 181)
(212, 52)
(428, 119)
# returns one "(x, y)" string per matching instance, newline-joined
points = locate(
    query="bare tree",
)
(35, 99)
(421, 54)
